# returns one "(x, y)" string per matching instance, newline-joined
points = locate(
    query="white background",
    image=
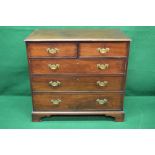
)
(77, 13)
(77, 142)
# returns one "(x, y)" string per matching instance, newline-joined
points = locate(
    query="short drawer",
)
(75, 102)
(52, 50)
(84, 66)
(105, 49)
(77, 83)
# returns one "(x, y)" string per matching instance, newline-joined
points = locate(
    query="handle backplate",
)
(103, 50)
(54, 83)
(102, 101)
(102, 83)
(52, 50)
(102, 66)
(54, 66)
(56, 102)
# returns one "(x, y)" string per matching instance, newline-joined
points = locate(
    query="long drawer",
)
(77, 83)
(76, 102)
(95, 66)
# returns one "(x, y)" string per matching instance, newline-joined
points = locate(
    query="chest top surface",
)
(77, 35)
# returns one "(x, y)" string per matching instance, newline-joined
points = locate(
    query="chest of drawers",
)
(77, 72)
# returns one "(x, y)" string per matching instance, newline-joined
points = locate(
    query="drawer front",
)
(52, 50)
(104, 66)
(64, 102)
(103, 49)
(78, 83)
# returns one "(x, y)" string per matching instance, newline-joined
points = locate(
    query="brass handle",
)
(54, 83)
(103, 101)
(53, 66)
(52, 50)
(57, 101)
(102, 83)
(103, 50)
(102, 66)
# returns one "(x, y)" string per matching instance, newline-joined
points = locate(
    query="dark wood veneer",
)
(116, 49)
(40, 66)
(40, 50)
(78, 73)
(77, 83)
(77, 102)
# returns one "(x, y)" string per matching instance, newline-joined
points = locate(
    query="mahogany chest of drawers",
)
(77, 72)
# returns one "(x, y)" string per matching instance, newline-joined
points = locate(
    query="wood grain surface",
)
(77, 58)
(118, 49)
(77, 35)
(84, 66)
(75, 102)
(40, 49)
(77, 83)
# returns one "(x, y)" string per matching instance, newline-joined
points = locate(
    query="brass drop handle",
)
(56, 102)
(54, 83)
(103, 50)
(52, 50)
(102, 66)
(102, 83)
(102, 101)
(53, 66)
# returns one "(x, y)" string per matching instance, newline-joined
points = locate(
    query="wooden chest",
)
(77, 72)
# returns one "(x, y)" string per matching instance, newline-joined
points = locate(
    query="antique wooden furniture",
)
(77, 72)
